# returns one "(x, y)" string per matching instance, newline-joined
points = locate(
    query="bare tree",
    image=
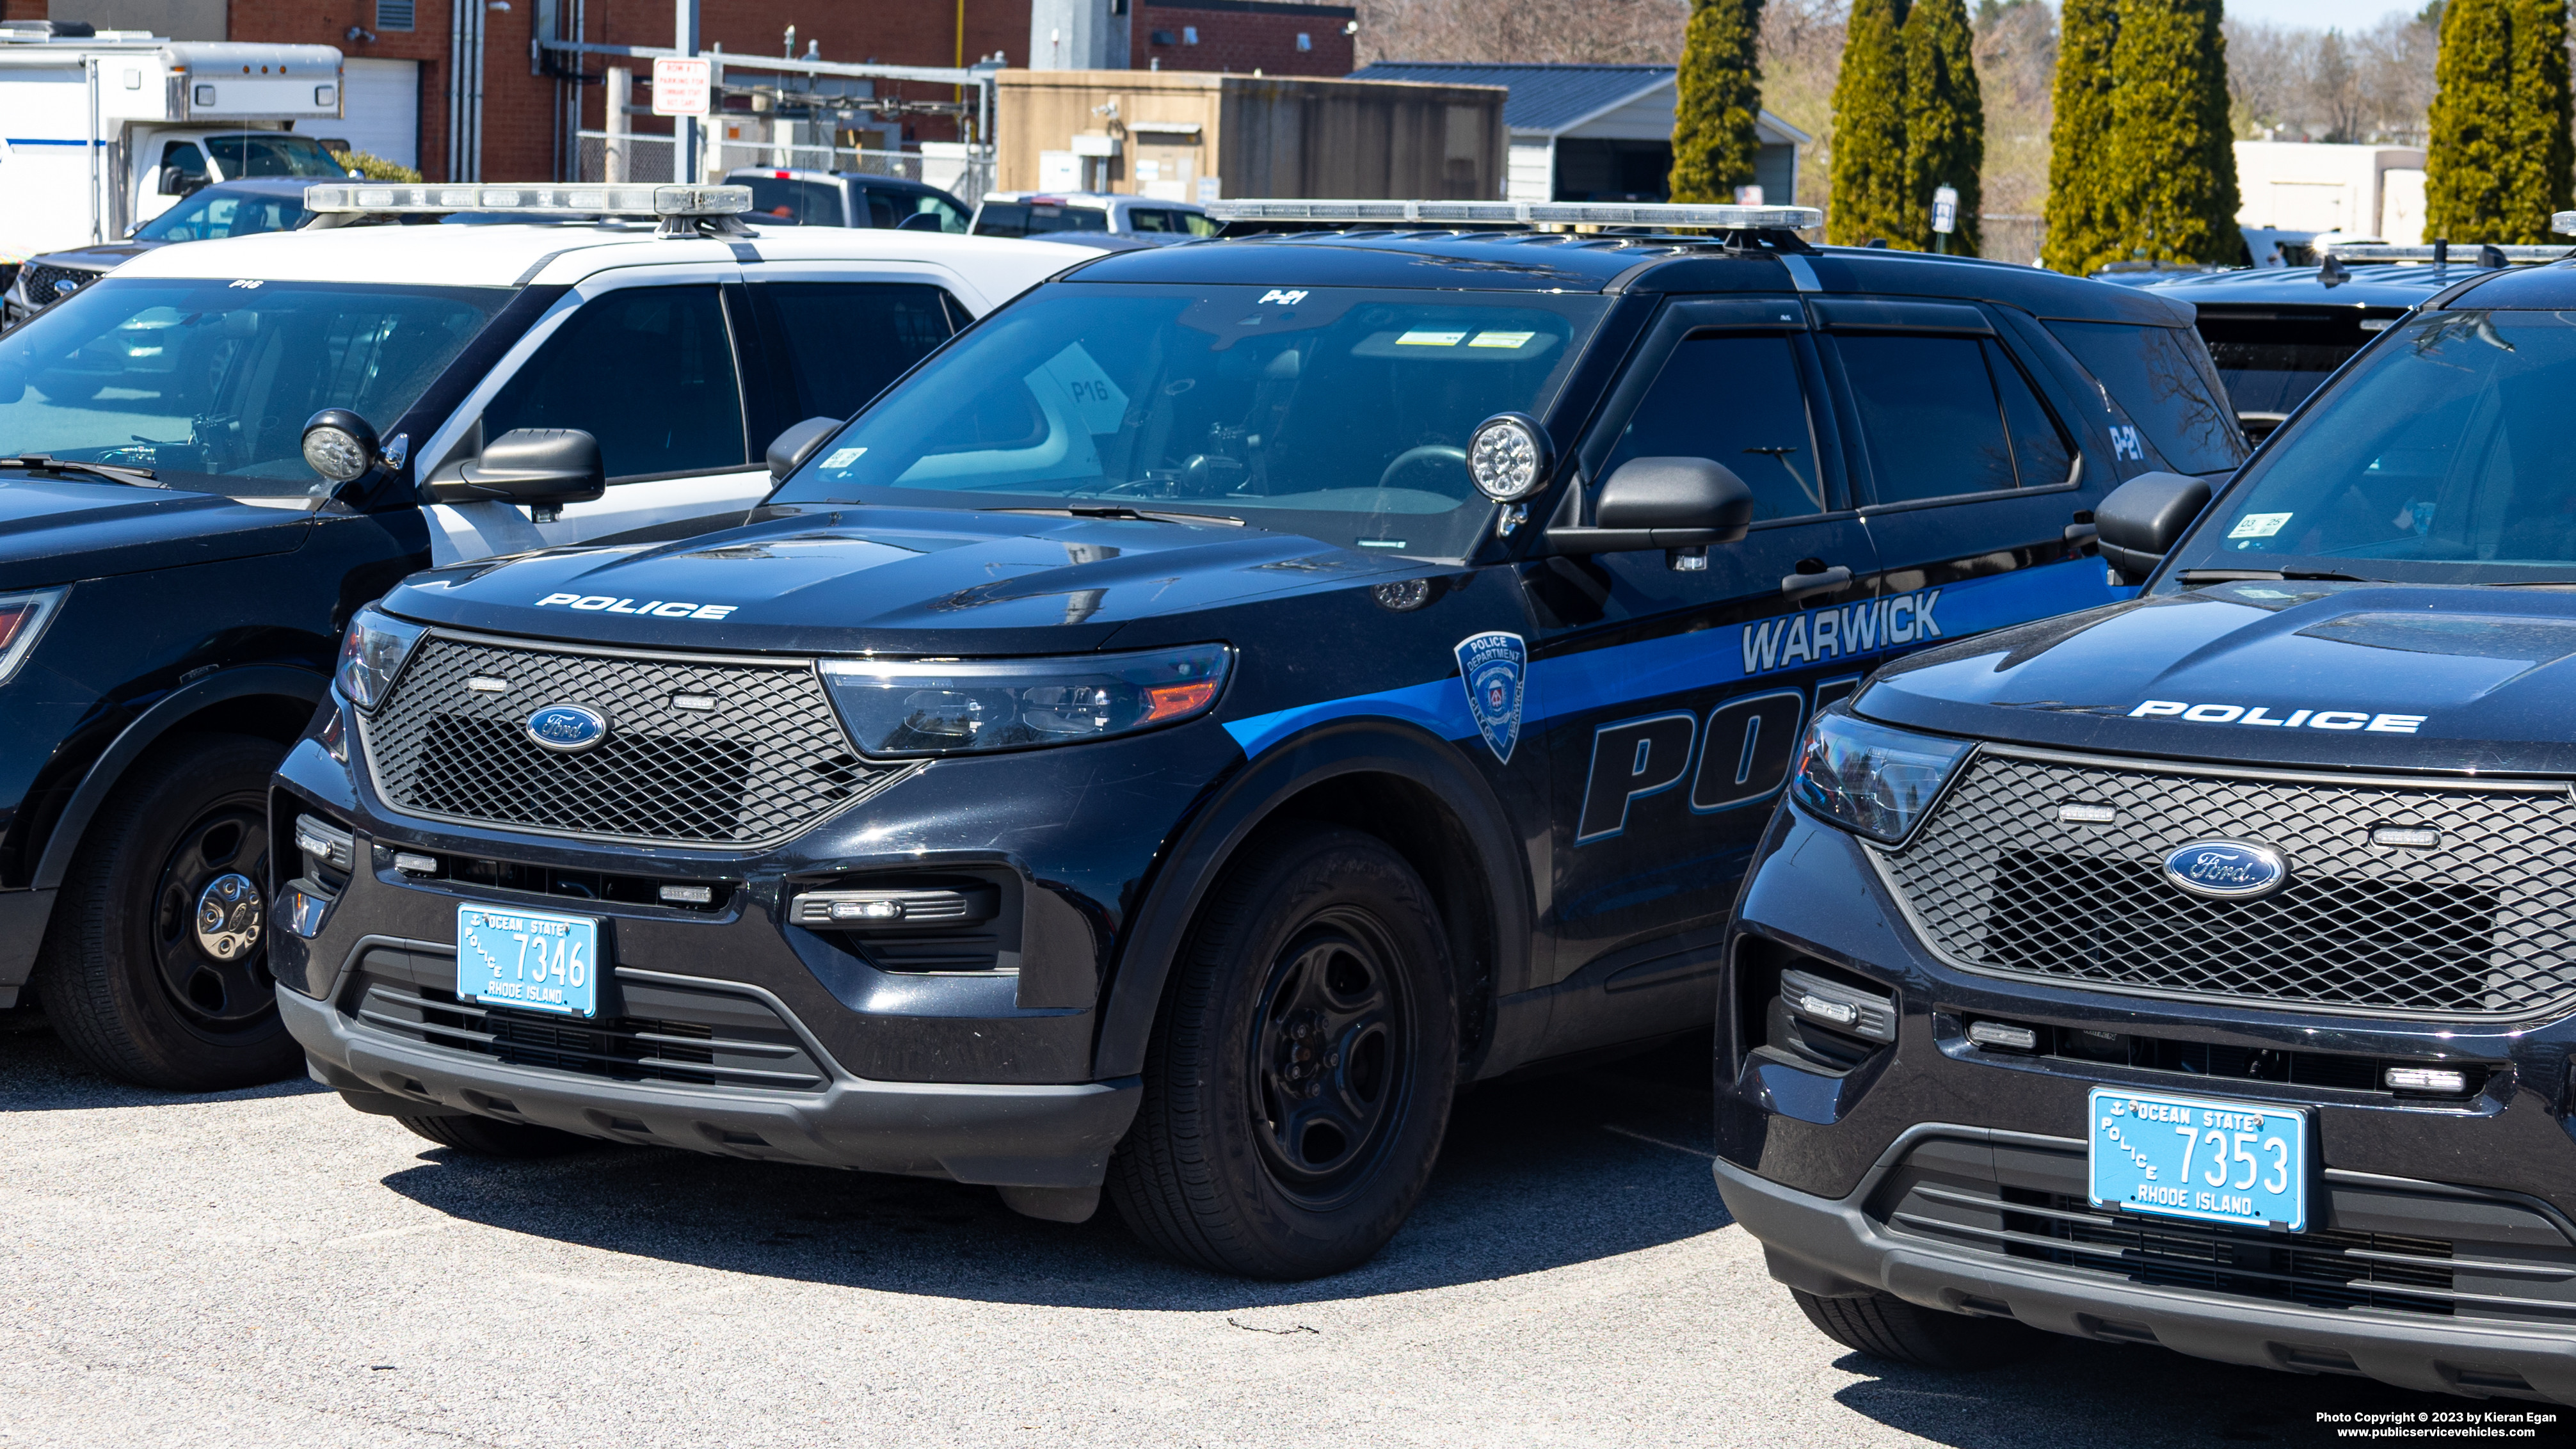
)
(1550, 32)
(2371, 86)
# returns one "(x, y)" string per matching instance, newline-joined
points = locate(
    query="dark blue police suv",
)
(1218, 706)
(2199, 970)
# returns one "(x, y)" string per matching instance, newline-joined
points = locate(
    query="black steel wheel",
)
(1298, 1081)
(156, 965)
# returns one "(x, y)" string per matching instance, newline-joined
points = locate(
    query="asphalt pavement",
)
(269, 1268)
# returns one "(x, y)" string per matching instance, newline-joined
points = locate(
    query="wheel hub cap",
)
(228, 917)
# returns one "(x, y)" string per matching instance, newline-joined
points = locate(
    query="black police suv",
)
(1220, 704)
(2198, 970)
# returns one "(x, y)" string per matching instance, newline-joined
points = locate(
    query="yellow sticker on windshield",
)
(1502, 339)
(1426, 337)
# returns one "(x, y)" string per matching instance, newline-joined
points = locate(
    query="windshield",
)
(1340, 413)
(273, 153)
(209, 383)
(215, 213)
(2444, 458)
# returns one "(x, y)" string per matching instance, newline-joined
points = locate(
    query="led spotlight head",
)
(339, 444)
(1509, 457)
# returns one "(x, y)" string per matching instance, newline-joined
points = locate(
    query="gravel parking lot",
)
(268, 1268)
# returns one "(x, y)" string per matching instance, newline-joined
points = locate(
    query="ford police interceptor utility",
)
(211, 457)
(1221, 703)
(2197, 970)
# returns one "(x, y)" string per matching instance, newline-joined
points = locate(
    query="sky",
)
(2317, 14)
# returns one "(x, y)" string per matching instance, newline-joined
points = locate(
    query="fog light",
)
(2426, 1079)
(2010, 1038)
(688, 895)
(410, 863)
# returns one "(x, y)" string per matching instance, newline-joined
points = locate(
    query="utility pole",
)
(686, 162)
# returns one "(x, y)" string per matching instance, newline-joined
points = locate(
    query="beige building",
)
(2301, 186)
(1198, 137)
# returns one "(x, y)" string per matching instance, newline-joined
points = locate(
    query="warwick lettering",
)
(1823, 634)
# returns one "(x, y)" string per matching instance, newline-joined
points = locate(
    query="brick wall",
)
(1244, 35)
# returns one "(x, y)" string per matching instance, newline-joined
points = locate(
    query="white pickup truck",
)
(102, 131)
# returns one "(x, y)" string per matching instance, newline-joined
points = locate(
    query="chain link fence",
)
(630, 157)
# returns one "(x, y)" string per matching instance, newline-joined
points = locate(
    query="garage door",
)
(383, 109)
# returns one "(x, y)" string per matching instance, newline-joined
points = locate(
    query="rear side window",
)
(834, 345)
(1948, 415)
(648, 371)
(1002, 218)
(806, 203)
(1734, 398)
(2161, 377)
(882, 209)
(1044, 218)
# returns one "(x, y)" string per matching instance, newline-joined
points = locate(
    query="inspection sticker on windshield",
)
(2258, 525)
(2191, 1157)
(1502, 339)
(842, 457)
(1429, 337)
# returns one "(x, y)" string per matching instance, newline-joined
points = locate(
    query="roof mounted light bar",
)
(2460, 253)
(1659, 215)
(335, 198)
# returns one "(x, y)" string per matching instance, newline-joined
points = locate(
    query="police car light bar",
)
(1523, 213)
(2463, 253)
(341, 199)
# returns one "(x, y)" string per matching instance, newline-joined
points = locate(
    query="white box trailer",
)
(102, 132)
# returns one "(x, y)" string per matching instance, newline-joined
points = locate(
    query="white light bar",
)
(1523, 213)
(342, 198)
(2563, 222)
(2461, 253)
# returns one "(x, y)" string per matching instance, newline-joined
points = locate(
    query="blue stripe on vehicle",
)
(37, 141)
(1652, 668)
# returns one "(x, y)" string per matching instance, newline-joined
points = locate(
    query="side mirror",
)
(1662, 503)
(919, 221)
(791, 448)
(543, 468)
(2142, 519)
(171, 182)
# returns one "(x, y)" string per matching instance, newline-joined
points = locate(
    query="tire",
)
(483, 1137)
(1299, 1077)
(131, 983)
(1883, 1325)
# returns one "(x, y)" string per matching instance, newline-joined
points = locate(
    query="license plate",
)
(529, 959)
(2195, 1157)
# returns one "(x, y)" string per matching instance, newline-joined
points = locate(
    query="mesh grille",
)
(2480, 925)
(766, 761)
(41, 279)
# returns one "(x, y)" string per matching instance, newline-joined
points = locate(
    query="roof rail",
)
(1521, 213)
(680, 208)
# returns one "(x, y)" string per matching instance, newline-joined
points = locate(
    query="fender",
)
(146, 731)
(1202, 847)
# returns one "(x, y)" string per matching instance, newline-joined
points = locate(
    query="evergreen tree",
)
(1870, 182)
(1720, 97)
(2081, 233)
(2501, 158)
(1945, 121)
(2172, 161)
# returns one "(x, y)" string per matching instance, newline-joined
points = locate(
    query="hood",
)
(104, 257)
(888, 580)
(55, 531)
(2367, 676)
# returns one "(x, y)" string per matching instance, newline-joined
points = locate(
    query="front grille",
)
(695, 1038)
(766, 760)
(2321, 1268)
(2481, 924)
(40, 279)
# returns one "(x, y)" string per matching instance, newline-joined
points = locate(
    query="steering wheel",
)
(1411, 456)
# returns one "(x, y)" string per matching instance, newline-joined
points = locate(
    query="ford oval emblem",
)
(567, 728)
(2226, 869)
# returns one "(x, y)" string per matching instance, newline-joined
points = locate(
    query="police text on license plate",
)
(2193, 1157)
(528, 959)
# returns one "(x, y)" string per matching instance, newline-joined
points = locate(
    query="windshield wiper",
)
(2235, 576)
(1122, 511)
(43, 463)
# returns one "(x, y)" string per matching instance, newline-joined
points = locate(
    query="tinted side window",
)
(882, 209)
(951, 220)
(1735, 398)
(648, 371)
(807, 203)
(1044, 218)
(1929, 413)
(837, 344)
(2040, 448)
(1148, 218)
(1003, 218)
(185, 155)
(2161, 377)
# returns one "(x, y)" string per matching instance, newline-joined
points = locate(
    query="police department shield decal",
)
(1492, 667)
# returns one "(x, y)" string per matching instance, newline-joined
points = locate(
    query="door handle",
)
(1799, 586)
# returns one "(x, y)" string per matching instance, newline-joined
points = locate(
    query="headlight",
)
(963, 706)
(23, 618)
(1869, 778)
(372, 653)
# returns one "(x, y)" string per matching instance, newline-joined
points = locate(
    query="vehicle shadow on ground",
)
(38, 1074)
(2074, 1387)
(1535, 1175)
